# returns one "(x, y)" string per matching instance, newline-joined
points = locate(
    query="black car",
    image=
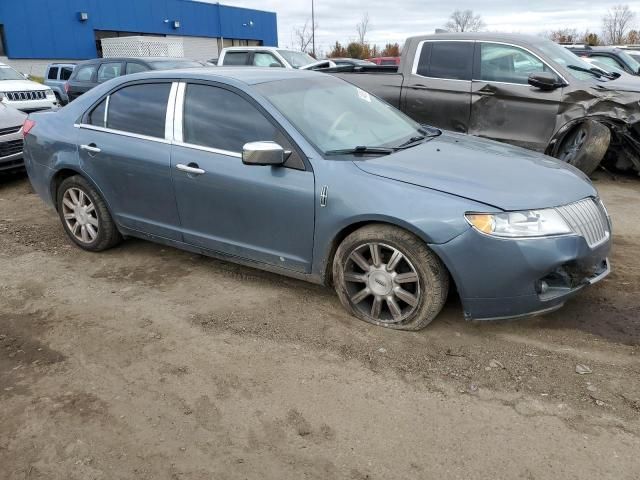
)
(91, 73)
(611, 56)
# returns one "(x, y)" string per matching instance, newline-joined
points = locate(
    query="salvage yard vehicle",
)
(11, 121)
(18, 92)
(518, 89)
(56, 76)
(303, 174)
(252, 56)
(91, 73)
(612, 56)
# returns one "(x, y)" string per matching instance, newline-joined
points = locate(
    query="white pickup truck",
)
(270, 57)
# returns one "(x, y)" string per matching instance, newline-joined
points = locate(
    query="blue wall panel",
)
(52, 29)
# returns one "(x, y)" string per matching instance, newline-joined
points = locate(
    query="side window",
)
(53, 73)
(96, 117)
(505, 63)
(140, 109)
(85, 73)
(235, 58)
(107, 71)
(133, 67)
(423, 61)
(65, 73)
(265, 59)
(607, 60)
(451, 60)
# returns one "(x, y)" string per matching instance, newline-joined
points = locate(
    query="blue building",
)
(32, 30)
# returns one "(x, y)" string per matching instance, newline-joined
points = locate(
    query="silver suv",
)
(56, 76)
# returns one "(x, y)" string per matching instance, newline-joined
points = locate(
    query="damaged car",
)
(517, 89)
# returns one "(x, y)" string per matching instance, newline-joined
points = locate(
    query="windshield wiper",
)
(593, 71)
(362, 149)
(411, 142)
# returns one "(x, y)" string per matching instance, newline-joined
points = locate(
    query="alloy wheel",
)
(80, 215)
(381, 283)
(571, 149)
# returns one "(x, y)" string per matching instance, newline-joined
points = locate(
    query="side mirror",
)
(263, 153)
(544, 81)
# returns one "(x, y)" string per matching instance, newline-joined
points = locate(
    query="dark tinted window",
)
(53, 73)
(136, 68)
(85, 73)
(217, 118)
(139, 109)
(423, 61)
(65, 73)
(236, 58)
(107, 71)
(96, 117)
(451, 60)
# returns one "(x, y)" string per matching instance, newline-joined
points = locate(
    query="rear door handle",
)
(487, 90)
(90, 148)
(194, 170)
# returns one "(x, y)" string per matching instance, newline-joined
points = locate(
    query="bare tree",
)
(464, 21)
(564, 35)
(616, 24)
(302, 36)
(362, 27)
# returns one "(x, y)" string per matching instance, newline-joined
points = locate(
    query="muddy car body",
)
(518, 89)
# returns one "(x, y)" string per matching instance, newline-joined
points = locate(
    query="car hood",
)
(20, 86)
(10, 117)
(503, 176)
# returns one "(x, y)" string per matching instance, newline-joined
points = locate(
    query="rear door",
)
(124, 148)
(438, 89)
(109, 70)
(504, 106)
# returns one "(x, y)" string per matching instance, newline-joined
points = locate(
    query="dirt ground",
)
(146, 362)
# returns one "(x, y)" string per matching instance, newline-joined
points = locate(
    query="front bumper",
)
(11, 155)
(30, 106)
(505, 278)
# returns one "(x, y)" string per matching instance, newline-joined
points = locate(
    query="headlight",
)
(48, 92)
(528, 223)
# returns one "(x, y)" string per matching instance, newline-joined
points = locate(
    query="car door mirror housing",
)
(544, 81)
(263, 153)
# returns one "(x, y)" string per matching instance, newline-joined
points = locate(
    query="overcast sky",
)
(394, 20)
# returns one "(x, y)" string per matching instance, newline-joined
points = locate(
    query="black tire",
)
(585, 145)
(106, 231)
(428, 292)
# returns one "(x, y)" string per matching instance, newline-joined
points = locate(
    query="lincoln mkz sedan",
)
(304, 174)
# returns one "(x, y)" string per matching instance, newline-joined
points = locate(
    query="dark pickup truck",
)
(518, 89)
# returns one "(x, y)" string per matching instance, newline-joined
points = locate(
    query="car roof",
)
(520, 38)
(246, 75)
(131, 59)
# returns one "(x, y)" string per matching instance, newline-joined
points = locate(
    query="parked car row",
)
(310, 176)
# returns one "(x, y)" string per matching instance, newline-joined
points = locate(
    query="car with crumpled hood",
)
(518, 89)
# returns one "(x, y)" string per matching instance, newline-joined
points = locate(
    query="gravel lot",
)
(145, 362)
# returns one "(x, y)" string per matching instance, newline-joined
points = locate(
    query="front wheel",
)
(387, 276)
(585, 146)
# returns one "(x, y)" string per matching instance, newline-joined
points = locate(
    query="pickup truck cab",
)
(518, 89)
(270, 57)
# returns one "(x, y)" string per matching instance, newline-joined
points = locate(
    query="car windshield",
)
(631, 62)
(297, 59)
(566, 58)
(8, 73)
(171, 64)
(336, 115)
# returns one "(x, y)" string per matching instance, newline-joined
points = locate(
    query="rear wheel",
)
(387, 276)
(585, 146)
(85, 216)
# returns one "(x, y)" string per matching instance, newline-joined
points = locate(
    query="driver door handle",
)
(194, 170)
(90, 148)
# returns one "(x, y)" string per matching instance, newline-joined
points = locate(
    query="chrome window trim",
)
(414, 67)
(122, 133)
(106, 111)
(169, 118)
(178, 113)
(208, 149)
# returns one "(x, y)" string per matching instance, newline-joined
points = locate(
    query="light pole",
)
(313, 30)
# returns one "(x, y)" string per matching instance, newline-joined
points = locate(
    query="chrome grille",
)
(587, 219)
(22, 96)
(10, 148)
(10, 130)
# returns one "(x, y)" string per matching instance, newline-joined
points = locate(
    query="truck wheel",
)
(85, 216)
(387, 276)
(585, 145)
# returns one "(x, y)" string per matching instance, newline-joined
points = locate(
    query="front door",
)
(130, 159)
(438, 90)
(504, 106)
(259, 213)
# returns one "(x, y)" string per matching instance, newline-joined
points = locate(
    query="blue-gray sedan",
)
(306, 175)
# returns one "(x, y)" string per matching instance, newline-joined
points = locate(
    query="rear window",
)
(139, 109)
(448, 60)
(53, 73)
(110, 70)
(133, 67)
(235, 58)
(85, 73)
(65, 73)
